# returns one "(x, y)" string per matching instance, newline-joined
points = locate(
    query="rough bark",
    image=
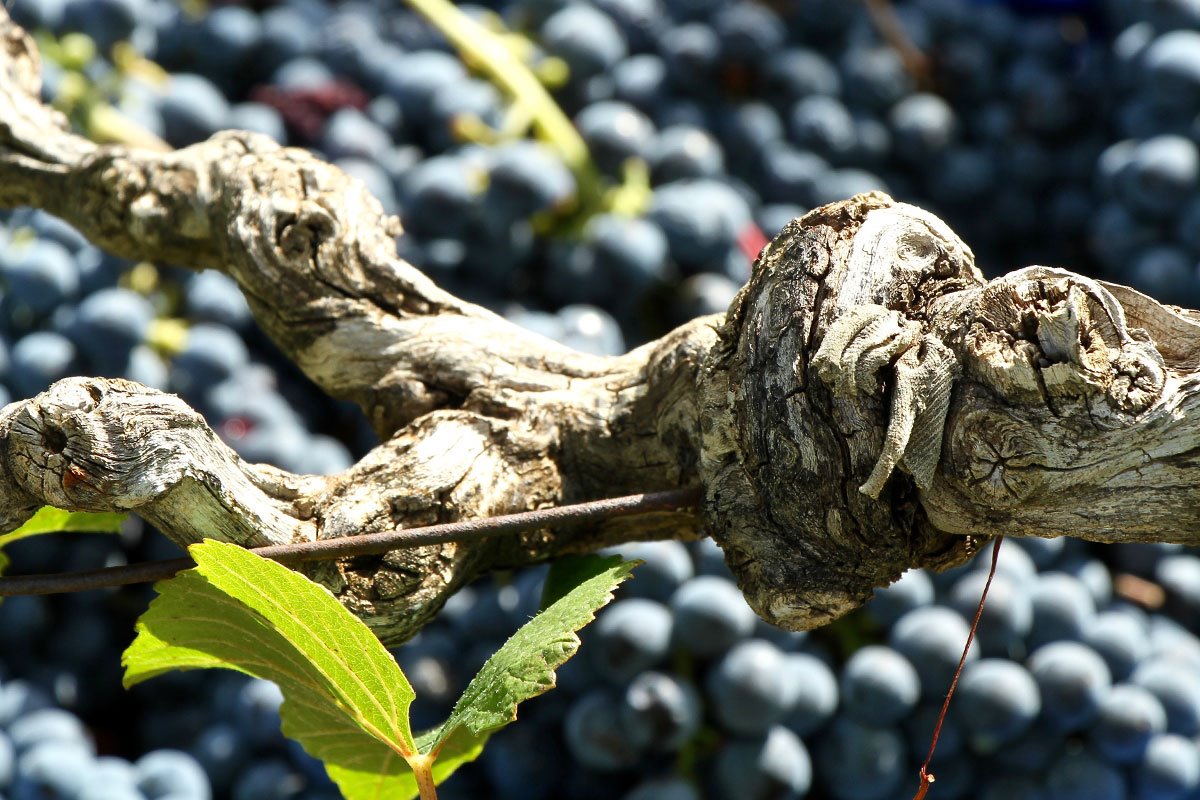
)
(868, 404)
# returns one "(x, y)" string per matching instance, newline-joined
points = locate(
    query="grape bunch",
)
(1044, 131)
(1084, 682)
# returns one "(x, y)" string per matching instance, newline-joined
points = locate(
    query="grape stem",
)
(422, 767)
(483, 48)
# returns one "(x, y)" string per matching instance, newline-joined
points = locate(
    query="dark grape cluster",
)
(1078, 687)
(1044, 131)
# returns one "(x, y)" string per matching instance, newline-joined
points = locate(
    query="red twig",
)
(927, 777)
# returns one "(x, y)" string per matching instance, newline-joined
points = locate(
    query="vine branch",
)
(868, 404)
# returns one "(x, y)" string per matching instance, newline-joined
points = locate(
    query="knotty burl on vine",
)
(868, 404)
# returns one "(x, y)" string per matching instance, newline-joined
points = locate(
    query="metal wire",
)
(367, 544)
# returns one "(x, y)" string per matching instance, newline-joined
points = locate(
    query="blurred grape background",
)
(1061, 133)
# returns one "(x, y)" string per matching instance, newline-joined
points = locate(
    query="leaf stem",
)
(422, 767)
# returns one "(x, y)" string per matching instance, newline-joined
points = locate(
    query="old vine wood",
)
(870, 403)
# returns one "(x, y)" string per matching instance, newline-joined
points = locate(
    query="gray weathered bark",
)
(868, 404)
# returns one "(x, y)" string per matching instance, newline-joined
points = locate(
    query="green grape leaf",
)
(345, 699)
(49, 519)
(524, 666)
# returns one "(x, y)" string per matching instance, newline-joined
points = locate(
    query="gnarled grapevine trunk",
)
(868, 404)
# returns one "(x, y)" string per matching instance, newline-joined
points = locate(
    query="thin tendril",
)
(927, 777)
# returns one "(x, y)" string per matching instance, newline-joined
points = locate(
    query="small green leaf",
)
(524, 666)
(345, 699)
(48, 519)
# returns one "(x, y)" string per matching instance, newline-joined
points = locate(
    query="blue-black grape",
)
(192, 109)
(526, 178)
(911, 590)
(585, 38)
(163, 774)
(685, 151)
(616, 132)
(879, 686)
(222, 751)
(711, 616)
(791, 174)
(1062, 609)
(1072, 679)
(823, 125)
(691, 52)
(270, 779)
(860, 762)
(38, 278)
(920, 725)
(1171, 68)
(596, 735)
(1119, 638)
(255, 709)
(996, 701)
(39, 359)
(416, 80)
(1007, 615)
(210, 354)
(108, 324)
(1169, 768)
(350, 132)
(228, 38)
(629, 637)
(1128, 718)
(112, 773)
(1161, 173)
(923, 125)
(749, 34)
(817, 700)
(663, 789)
(932, 639)
(524, 761)
(750, 688)
(212, 296)
(47, 725)
(640, 81)
(1079, 775)
(660, 711)
(797, 72)
(7, 759)
(1176, 688)
(773, 766)
(52, 769)
(702, 220)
